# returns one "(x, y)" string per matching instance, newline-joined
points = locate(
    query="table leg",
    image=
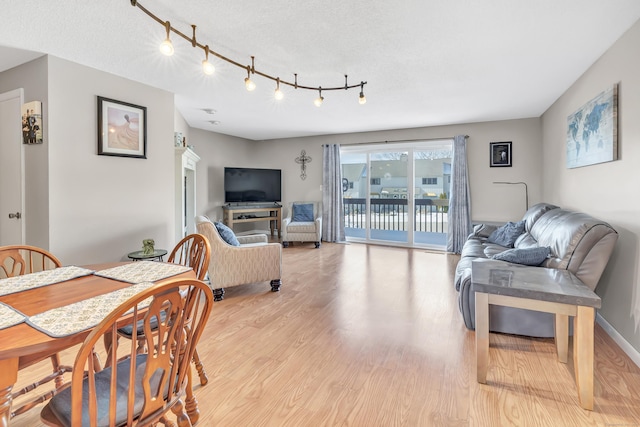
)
(8, 377)
(583, 344)
(482, 336)
(562, 337)
(279, 222)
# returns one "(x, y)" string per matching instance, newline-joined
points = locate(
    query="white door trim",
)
(17, 94)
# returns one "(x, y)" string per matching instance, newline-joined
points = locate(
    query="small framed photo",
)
(122, 129)
(500, 154)
(32, 123)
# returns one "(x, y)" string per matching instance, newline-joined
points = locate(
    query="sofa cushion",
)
(579, 243)
(473, 248)
(482, 231)
(491, 249)
(525, 241)
(302, 212)
(535, 212)
(227, 234)
(507, 234)
(529, 256)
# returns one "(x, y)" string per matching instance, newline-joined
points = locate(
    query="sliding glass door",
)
(397, 195)
(432, 179)
(389, 196)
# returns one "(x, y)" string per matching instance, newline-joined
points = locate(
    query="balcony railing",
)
(430, 216)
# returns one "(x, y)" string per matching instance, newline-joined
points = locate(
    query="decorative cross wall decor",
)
(303, 159)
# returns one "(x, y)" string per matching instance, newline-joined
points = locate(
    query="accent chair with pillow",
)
(240, 260)
(303, 223)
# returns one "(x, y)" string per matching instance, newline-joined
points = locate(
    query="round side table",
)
(140, 255)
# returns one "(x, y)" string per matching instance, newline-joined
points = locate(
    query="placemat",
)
(82, 315)
(9, 316)
(142, 271)
(41, 278)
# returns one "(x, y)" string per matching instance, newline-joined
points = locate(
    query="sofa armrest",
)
(253, 238)
(482, 231)
(238, 265)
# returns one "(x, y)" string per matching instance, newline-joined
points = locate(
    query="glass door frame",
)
(410, 148)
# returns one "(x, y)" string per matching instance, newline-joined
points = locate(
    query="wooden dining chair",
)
(137, 389)
(17, 260)
(194, 251)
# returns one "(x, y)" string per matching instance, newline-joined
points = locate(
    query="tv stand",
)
(243, 214)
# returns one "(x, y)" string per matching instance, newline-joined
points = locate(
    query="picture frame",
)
(32, 123)
(500, 154)
(592, 131)
(122, 129)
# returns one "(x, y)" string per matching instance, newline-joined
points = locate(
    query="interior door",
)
(12, 230)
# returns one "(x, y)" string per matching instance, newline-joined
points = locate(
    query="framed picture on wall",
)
(592, 131)
(122, 129)
(500, 154)
(32, 123)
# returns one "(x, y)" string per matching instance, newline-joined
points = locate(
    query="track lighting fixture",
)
(167, 48)
(362, 99)
(319, 99)
(248, 83)
(207, 67)
(278, 93)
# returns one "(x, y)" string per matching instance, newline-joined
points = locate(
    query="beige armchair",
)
(255, 260)
(294, 230)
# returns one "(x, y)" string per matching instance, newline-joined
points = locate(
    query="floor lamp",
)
(526, 191)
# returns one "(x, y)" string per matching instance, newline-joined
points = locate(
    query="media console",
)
(243, 214)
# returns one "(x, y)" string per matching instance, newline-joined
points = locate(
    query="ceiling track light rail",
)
(167, 49)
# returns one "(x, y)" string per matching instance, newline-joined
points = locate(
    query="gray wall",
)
(83, 207)
(606, 190)
(489, 201)
(102, 207)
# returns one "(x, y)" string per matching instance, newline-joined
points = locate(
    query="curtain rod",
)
(397, 140)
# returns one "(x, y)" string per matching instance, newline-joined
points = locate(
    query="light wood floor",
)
(371, 336)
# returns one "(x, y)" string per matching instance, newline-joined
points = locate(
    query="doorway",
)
(397, 194)
(12, 215)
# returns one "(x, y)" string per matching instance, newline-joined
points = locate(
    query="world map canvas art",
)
(592, 131)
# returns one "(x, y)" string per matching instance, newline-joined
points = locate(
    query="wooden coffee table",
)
(541, 289)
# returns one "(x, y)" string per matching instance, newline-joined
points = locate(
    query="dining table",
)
(22, 343)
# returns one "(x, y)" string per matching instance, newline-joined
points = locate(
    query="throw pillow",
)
(302, 212)
(227, 234)
(526, 256)
(507, 234)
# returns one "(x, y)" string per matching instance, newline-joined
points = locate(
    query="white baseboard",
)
(633, 354)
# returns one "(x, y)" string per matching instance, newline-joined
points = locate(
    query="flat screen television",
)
(246, 185)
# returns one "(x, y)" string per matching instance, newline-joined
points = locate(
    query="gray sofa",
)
(577, 242)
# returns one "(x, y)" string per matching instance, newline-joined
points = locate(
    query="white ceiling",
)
(427, 62)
